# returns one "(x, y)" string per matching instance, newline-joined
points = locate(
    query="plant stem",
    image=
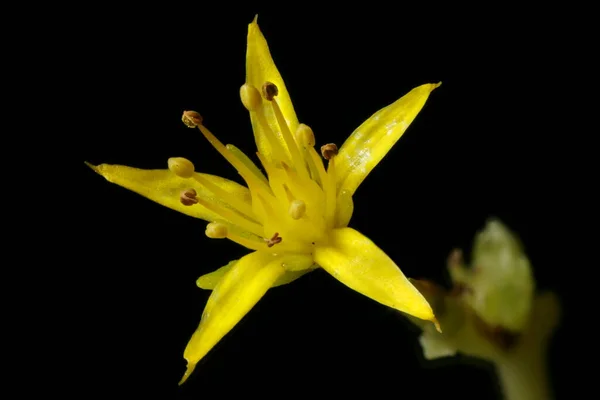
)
(524, 378)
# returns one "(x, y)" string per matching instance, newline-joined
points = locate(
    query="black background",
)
(487, 143)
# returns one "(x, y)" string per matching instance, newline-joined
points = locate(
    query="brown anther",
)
(269, 91)
(328, 151)
(459, 289)
(274, 240)
(500, 336)
(191, 119)
(455, 259)
(188, 197)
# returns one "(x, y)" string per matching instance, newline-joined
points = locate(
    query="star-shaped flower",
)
(294, 219)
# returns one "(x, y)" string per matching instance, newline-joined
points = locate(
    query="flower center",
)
(291, 210)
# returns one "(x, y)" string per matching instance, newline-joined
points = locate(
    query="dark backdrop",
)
(486, 144)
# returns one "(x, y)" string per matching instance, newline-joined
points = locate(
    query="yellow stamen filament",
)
(235, 162)
(293, 180)
(247, 243)
(328, 187)
(276, 147)
(319, 166)
(314, 172)
(288, 193)
(252, 100)
(330, 193)
(247, 161)
(269, 91)
(297, 209)
(297, 159)
(228, 198)
(217, 230)
(273, 181)
(269, 212)
(305, 138)
(233, 217)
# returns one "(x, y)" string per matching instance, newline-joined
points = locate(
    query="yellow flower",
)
(296, 218)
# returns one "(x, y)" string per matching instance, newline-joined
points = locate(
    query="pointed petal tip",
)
(99, 169)
(92, 166)
(437, 325)
(203, 283)
(437, 85)
(254, 24)
(188, 372)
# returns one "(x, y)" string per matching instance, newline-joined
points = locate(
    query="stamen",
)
(318, 163)
(279, 152)
(292, 179)
(269, 212)
(188, 197)
(274, 240)
(269, 92)
(247, 161)
(330, 192)
(216, 230)
(305, 136)
(182, 167)
(288, 193)
(297, 209)
(250, 97)
(247, 243)
(273, 180)
(233, 217)
(328, 185)
(236, 163)
(191, 119)
(228, 198)
(329, 150)
(252, 101)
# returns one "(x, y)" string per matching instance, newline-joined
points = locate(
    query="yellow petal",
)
(260, 68)
(291, 276)
(235, 294)
(357, 262)
(164, 187)
(371, 141)
(210, 280)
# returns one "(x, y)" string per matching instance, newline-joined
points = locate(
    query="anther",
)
(250, 97)
(455, 259)
(182, 167)
(269, 91)
(191, 119)
(274, 240)
(297, 209)
(215, 230)
(305, 136)
(188, 197)
(328, 151)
